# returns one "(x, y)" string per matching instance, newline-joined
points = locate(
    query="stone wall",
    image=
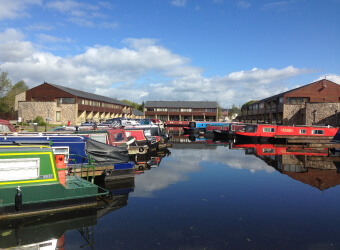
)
(19, 97)
(294, 114)
(323, 113)
(30, 110)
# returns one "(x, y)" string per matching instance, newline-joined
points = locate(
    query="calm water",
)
(208, 196)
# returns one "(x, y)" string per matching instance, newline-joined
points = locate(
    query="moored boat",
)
(30, 183)
(265, 132)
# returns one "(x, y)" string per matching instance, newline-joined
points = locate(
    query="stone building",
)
(181, 110)
(317, 103)
(62, 105)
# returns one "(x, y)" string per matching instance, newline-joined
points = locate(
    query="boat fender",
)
(141, 149)
(18, 199)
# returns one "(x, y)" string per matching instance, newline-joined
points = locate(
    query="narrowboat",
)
(76, 149)
(227, 129)
(32, 181)
(115, 137)
(267, 132)
(200, 126)
(6, 126)
(176, 123)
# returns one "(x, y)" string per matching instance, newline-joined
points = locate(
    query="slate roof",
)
(137, 112)
(88, 95)
(180, 104)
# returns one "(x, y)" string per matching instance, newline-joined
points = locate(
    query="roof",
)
(286, 92)
(137, 112)
(88, 95)
(180, 104)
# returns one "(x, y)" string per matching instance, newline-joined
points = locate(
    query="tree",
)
(5, 84)
(247, 103)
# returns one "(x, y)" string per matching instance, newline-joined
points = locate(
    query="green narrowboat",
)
(31, 183)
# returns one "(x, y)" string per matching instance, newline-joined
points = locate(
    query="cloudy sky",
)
(229, 51)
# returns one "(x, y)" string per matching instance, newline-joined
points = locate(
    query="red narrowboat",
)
(264, 132)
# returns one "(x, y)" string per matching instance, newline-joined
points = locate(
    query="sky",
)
(229, 51)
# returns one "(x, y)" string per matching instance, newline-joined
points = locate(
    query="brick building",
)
(181, 110)
(315, 103)
(60, 105)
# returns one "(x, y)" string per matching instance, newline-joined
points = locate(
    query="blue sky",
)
(229, 51)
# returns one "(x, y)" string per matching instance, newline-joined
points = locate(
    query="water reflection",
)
(318, 168)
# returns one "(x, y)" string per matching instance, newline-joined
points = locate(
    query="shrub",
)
(40, 121)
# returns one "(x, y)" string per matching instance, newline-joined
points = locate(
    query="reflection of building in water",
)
(316, 169)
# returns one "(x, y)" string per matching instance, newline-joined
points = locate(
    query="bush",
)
(40, 121)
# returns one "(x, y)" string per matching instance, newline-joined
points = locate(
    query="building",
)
(61, 105)
(136, 114)
(181, 110)
(312, 104)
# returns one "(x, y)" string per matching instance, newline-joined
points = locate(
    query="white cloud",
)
(52, 39)
(12, 9)
(143, 70)
(330, 77)
(179, 3)
(172, 171)
(10, 35)
(70, 6)
(243, 4)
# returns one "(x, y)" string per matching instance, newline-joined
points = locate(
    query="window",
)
(67, 100)
(303, 131)
(58, 116)
(19, 169)
(185, 110)
(317, 132)
(163, 117)
(161, 109)
(250, 128)
(149, 109)
(268, 150)
(262, 105)
(174, 110)
(269, 130)
(281, 100)
(297, 100)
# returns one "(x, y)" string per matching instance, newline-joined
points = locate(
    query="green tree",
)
(141, 107)
(5, 84)
(133, 104)
(9, 99)
(247, 103)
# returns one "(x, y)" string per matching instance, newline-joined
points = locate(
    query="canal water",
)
(207, 194)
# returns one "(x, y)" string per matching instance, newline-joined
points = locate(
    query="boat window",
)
(303, 131)
(62, 151)
(19, 169)
(268, 150)
(4, 128)
(251, 128)
(147, 132)
(317, 132)
(98, 137)
(268, 129)
(119, 137)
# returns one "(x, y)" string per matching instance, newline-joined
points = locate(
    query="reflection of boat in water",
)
(272, 149)
(317, 169)
(48, 231)
(118, 197)
(45, 231)
(151, 159)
